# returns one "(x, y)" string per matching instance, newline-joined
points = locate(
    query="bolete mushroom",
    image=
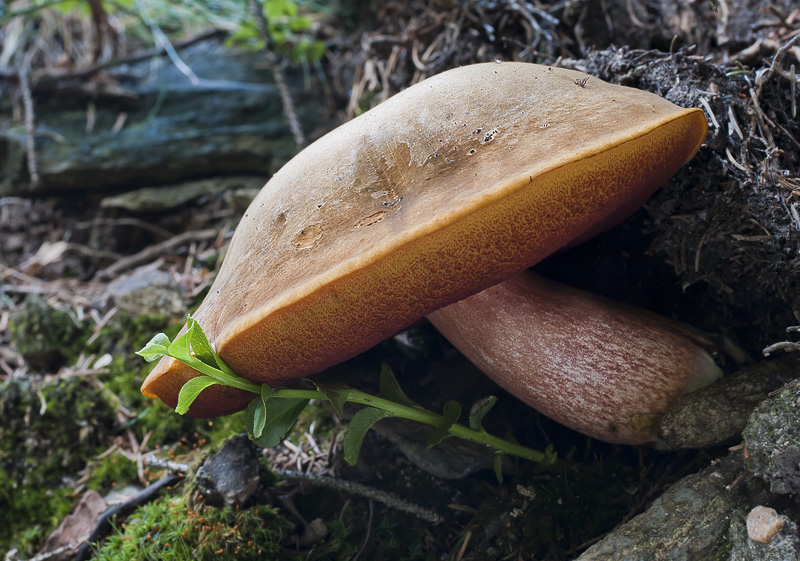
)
(452, 186)
(600, 367)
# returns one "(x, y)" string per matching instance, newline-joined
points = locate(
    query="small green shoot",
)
(273, 411)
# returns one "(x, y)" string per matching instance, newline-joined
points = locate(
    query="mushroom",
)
(595, 365)
(452, 186)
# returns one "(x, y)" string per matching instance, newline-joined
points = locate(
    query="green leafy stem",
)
(273, 412)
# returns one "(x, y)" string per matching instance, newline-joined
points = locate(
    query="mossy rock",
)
(46, 336)
(772, 438)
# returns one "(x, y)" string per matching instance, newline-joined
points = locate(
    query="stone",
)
(739, 546)
(772, 439)
(45, 335)
(688, 522)
(167, 197)
(763, 523)
(150, 292)
(230, 476)
(717, 414)
(230, 123)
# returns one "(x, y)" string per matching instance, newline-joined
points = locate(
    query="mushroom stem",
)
(597, 366)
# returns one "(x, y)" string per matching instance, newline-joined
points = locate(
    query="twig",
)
(787, 346)
(27, 102)
(388, 499)
(166, 464)
(150, 252)
(366, 537)
(163, 42)
(43, 77)
(280, 79)
(765, 76)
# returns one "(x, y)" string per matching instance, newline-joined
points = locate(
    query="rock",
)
(45, 335)
(150, 292)
(689, 521)
(171, 196)
(783, 546)
(772, 438)
(229, 123)
(763, 523)
(313, 533)
(717, 414)
(231, 476)
(239, 199)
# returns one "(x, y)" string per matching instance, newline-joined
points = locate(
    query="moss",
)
(111, 471)
(169, 529)
(50, 431)
(46, 433)
(46, 336)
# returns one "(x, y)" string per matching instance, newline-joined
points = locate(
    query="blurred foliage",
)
(292, 24)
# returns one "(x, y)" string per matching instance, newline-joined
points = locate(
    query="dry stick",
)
(370, 493)
(388, 499)
(280, 79)
(42, 77)
(163, 42)
(152, 251)
(764, 78)
(27, 102)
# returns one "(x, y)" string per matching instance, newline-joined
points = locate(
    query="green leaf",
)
(338, 396)
(180, 349)
(281, 415)
(157, 347)
(190, 391)
(498, 466)
(479, 410)
(389, 388)
(199, 343)
(362, 421)
(260, 412)
(452, 411)
(202, 347)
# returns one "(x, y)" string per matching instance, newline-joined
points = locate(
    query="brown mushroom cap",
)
(449, 187)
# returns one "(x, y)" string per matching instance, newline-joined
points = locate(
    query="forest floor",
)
(83, 286)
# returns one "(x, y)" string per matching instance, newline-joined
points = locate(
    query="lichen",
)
(772, 441)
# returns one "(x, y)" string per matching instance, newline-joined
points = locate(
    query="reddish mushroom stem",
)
(600, 367)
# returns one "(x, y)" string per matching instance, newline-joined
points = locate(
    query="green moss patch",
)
(169, 529)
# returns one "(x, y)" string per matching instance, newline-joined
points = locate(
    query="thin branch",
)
(152, 251)
(163, 42)
(390, 500)
(42, 78)
(280, 80)
(764, 76)
(30, 128)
